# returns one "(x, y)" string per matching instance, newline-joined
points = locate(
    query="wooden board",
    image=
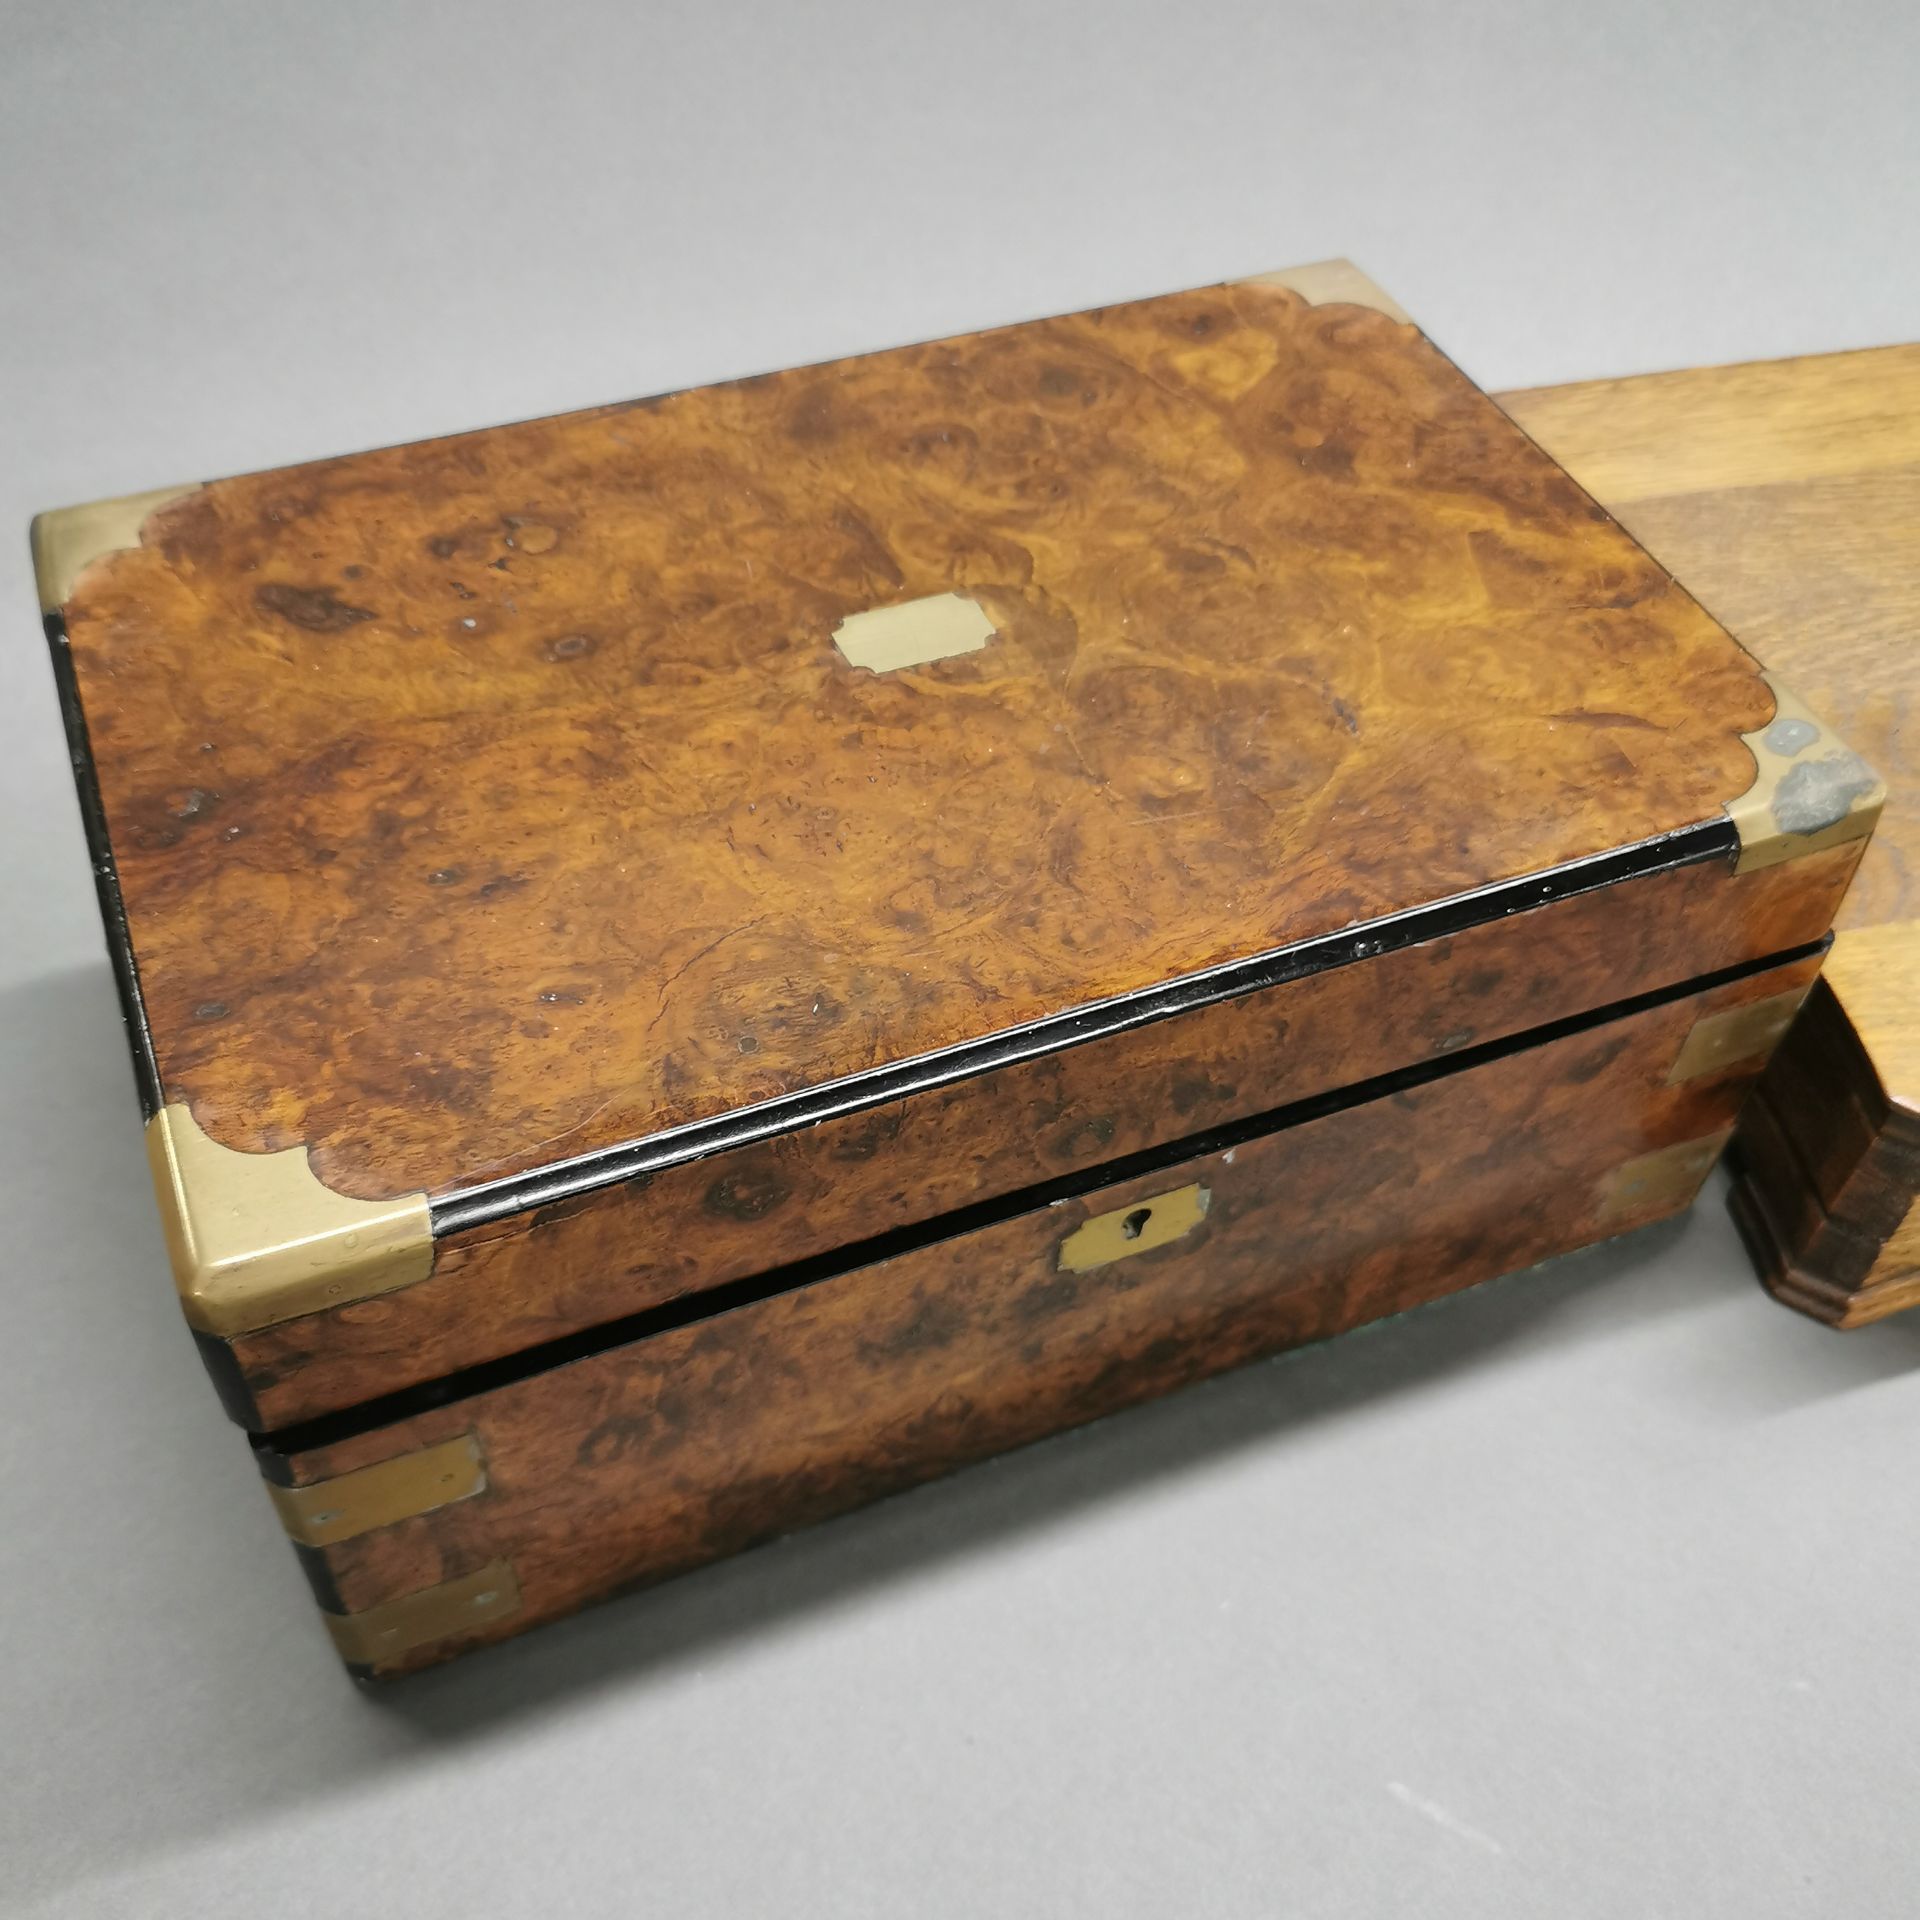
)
(1787, 495)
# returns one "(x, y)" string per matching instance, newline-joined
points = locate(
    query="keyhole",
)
(1135, 1223)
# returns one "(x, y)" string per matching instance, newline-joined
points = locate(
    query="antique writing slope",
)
(698, 962)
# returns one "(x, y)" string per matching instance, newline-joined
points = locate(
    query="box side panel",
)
(501, 1288)
(647, 1460)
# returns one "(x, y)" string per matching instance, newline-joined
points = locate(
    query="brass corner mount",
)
(1810, 790)
(255, 1238)
(67, 540)
(1333, 283)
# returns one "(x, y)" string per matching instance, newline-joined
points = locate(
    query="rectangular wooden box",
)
(698, 962)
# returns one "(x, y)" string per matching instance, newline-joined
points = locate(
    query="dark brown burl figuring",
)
(484, 802)
(513, 1283)
(654, 1458)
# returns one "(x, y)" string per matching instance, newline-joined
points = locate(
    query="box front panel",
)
(509, 1285)
(652, 1458)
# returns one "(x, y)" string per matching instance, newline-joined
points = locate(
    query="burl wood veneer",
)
(482, 803)
(490, 817)
(673, 1450)
(509, 1284)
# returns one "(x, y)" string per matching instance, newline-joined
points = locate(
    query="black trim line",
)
(106, 878)
(493, 1200)
(328, 1429)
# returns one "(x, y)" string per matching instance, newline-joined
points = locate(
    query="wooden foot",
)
(1826, 1162)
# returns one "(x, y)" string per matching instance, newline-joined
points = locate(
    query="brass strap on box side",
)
(1809, 790)
(66, 540)
(1662, 1181)
(1735, 1035)
(256, 1239)
(397, 1627)
(327, 1511)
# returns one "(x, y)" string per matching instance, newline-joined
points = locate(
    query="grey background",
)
(1590, 1593)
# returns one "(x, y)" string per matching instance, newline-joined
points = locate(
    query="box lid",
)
(474, 813)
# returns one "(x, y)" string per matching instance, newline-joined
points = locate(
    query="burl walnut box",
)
(698, 963)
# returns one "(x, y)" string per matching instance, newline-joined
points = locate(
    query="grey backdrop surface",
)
(1587, 1594)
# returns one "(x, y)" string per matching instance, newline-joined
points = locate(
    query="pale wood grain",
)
(1787, 496)
(1875, 973)
(1714, 429)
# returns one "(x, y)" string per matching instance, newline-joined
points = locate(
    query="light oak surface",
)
(1787, 496)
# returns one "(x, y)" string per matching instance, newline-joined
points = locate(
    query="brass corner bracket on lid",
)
(256, 1239)
(67, 540)
(1328, 283)
(1809, 789)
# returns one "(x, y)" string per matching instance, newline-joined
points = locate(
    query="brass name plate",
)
(937, 627)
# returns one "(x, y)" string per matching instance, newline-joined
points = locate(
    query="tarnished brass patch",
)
(412, 1483)
(1333, 283)
(1661, 1181)
(1809, 790)
(1138, 1228)
(1735, 1034)
(256, 1239)
(416, 1619)
(65, 540)
(914, 632)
